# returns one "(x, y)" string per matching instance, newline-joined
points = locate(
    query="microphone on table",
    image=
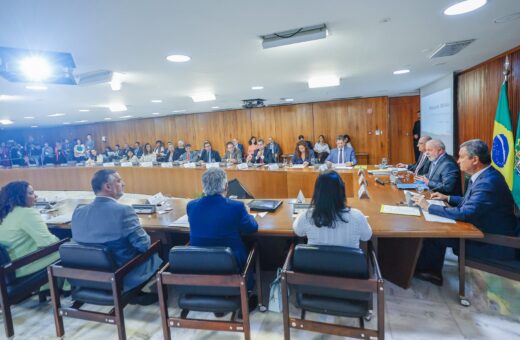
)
(378, 180)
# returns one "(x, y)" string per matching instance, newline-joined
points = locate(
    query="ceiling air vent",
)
(451, 48)
(252, 103)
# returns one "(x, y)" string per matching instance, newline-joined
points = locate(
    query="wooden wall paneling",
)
(328, 120)
(294, 120)
(402, 115)
(354, 122)
(263, 125)
(514, 88)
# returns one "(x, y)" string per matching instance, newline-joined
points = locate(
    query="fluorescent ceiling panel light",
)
(156, 101)
(178, 58)
(36, 87)
(203, 97)
(35, 68)
(289, 99)
(6, 98)
(464, 7)
(66, 123)
(84, 110)
(34, 126)
(323, 81)
(215, 107)
(156, 113)
(82, 121)
(402, 71)
(6, 121)
(108, 118)
(28, 117)
(117, 81)
(294, 36)
(124, 117)
(56, 115)
(257, 87)
(117, 107)
(178, 111)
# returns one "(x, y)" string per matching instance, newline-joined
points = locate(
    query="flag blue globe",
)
(500, 150)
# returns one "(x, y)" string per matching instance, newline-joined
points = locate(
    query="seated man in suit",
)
(444, 174)
(217, 221)
(262, 155)
(238, 146)
(208, 155)
(179, 150)
(488, 204)
(422, 165)
(276, 151)
(342, 154)
(138, 150)
(117, 227)
(233, 154)
(190, 155)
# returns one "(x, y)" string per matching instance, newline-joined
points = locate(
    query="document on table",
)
(342, 167)
(298, 166)
(59, 219)
(398, 210)
(434, 218)
(181, 222)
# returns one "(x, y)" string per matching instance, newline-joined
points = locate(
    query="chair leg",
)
(261, 306)
(381, 311)
(56, 305)
(162, 290)
(245, 309)
(285, 307)
(8, 318)
(118, 308)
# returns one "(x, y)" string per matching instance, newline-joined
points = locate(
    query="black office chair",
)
(14, 290)
(95, 279)
(334, 281)
(207, 280)
(235, 188)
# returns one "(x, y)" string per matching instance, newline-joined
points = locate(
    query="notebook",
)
(264, 205)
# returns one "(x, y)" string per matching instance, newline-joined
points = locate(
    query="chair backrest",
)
(204, 261)
(235, 188)
(89, 257)
(335, 261)
(6, 259)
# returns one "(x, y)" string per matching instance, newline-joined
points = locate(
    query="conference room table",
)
(397, 238)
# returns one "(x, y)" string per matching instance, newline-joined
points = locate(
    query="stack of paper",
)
(181, 222)
(398, 210)
(59, 219)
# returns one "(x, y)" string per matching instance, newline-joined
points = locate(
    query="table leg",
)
(397, 259)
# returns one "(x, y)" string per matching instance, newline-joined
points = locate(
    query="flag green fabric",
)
(516, 171)
(502, 152)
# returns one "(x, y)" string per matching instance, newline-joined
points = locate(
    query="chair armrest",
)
(287, 263)
(250, 258)
(35, 255)
(500, 240)
(136, 261)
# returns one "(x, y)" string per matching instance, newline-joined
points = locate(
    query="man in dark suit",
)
(138, 150)
(238, 146)
(487, 204)
(422, 166)
(208, 155)
(116, 226)
(416, 131)
(262, 155)
(444, 174)
(276, 151)
(301, 138)
(179, 150)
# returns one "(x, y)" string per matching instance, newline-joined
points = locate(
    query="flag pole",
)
(507, 68)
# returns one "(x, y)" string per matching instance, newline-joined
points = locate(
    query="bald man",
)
(422, 166)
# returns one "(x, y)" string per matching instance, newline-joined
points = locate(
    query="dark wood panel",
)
(402, 111)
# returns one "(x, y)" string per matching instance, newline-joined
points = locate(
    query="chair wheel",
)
(262, 308)
(464, 302)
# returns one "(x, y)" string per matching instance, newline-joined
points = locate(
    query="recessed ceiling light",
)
(178, 58)
(117, 107)
(155, 113)
(289, 99)
(82, 121)
(6, 121)
(402, 71)
(178, 111)
(66, 123)
(464, 7)
(117, 81)
(35, 68)
(84, 110)
(34, 126)
(215, 107)
(5, 98)
(36, 87)
(323, 81)
(203, 97)
(56, 115)
(156, 101)
(29, 117)
(257, 87)
(124, 117)
(108, 118)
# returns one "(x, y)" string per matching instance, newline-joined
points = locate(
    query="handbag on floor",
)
(275, 293)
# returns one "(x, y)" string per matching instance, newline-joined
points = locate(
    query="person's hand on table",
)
(401, 165)
(421, 201)
(439, 196)
(423, 179)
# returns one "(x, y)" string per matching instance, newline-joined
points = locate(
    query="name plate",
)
(212, 165)
(147, 164)
(62, 165)
(126, 164)
(362, 192)
(362, 180)
(273, 166)
(242, 166)
(190, 165)
(361, 171)
(167, 165)
(109, 164)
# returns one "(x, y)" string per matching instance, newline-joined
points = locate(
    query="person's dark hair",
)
(322, 136)
(13, 194)
(146, 152)
(298, 153)
(477, 147)
(329, 200)
(228, 143)
(251, 140)
(100, 178)
(346, 138)
(301, 137)
(130, 151)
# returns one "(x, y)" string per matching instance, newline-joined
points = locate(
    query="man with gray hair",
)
(422, 165)
(443, 175)
(487, 203)
(216, 221)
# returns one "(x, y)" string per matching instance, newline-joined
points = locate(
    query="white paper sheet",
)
(398, 210)
(60, 219)
(181, 222)
(298, 166)
(434, 218)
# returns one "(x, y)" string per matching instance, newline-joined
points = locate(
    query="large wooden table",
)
(398, 238)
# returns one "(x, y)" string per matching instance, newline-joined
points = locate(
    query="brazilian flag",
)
(516, 173)
(502, 152)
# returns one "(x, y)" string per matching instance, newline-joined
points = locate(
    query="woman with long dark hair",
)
(252, 146)
(330, 221)
(22, 230)
(302, 154)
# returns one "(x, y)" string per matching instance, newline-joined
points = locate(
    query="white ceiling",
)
(134, 37)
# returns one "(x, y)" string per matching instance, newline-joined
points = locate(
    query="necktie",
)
(209, 157)
(188, 156)
(419, 166)
(340, 160)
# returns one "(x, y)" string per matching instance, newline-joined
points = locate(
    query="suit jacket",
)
(445, 177)
(216, 221)
(487, 204)
(348, 156)
(236, 155)
(194, 156)
(275, 149)
(425, 166)
(138, 151)
(177, 153)
(116, 226)
(268, 156)
(240, 147)
(215, 157)
(295, 160)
